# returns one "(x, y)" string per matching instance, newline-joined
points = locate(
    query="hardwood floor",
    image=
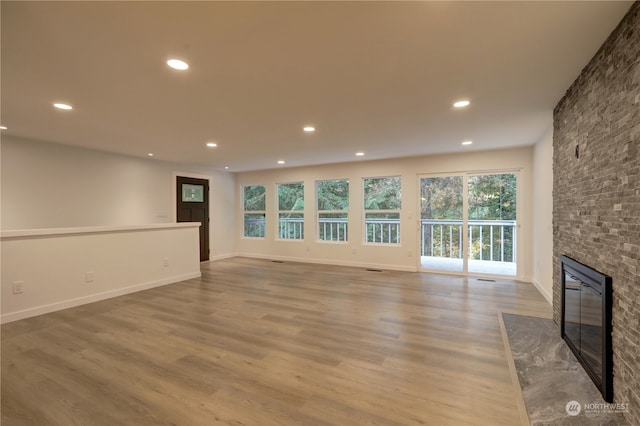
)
(260, 343)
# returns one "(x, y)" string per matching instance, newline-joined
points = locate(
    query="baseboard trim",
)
(543, 292)
(58, 306)
(335, 262)
(222, 257)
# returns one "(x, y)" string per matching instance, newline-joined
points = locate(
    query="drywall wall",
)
(357, 253)
(542, 215)
(46, 185)
(62, 268)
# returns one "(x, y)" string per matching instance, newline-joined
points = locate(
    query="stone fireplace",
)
(596, 191)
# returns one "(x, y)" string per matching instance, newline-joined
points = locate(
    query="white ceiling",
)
(377, 77)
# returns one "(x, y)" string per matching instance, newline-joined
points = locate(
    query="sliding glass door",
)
(468, 223)
(441, 223)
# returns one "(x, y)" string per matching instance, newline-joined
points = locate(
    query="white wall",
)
(47, 185)
(543, 215)
(403, 256)
(52, 268)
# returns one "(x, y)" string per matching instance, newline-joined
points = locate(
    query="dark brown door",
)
(193, 206)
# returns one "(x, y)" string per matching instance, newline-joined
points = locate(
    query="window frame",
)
(246, 212)
(280, 212)
(319, 212)
(367, 211)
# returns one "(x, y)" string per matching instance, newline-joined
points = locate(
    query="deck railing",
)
(493, 240)
(329, 229)
(332, 229)
(382, 230)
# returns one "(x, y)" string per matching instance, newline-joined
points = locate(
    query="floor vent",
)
(487, 280)
(373, 270)
(277, 261)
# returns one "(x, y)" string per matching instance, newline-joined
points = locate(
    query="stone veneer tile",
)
(596, 207)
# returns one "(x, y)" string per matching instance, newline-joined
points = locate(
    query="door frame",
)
(465, 218)
(174, 202)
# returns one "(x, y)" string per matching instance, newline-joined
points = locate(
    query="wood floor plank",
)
(253, 342)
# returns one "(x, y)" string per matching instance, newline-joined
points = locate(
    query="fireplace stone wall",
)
(596, 190)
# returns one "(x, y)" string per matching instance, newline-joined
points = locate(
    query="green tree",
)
(492, 197)
(441, 198)
(333, 195)
(382, 193)
(291, 196)
(254, 198)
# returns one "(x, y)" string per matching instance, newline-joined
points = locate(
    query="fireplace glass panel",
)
(591, 327)
(572, 292)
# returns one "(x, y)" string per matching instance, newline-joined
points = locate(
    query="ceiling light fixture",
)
(280, 161)
(309, 129)
(226, 167)
(63, 106)
(150, 154)
(461, 104)
(359, 154)
(212, 144)
(3, 127)
(467, 143)
(177, 64)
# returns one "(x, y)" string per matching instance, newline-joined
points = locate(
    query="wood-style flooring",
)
(255, 342)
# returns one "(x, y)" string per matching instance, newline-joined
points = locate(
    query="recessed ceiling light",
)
(280, 161)
(62, 106)
(467, 142)
(226, 167)
(359, 154)
(309, 129)
(150, 154)
(3, 127)
(177, 64)
(212, 144)
(461, 104)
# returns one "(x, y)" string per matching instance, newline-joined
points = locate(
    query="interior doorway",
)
(192, 203)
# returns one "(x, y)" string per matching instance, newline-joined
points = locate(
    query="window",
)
(254, 210)
(192, 193)
(290, 211)
(382, 209)
(333, 206)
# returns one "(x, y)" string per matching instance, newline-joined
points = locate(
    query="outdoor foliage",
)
(254, 201)
(290, 204)
(491, 197)
(382, 193)
(333, 194)
(290, 196)
(441, 198)
(254, 198)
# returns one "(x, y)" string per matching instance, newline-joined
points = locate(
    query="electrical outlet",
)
(88, 277)
(165, 262)
(353, 251)
(409, 253)
(18, 287)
